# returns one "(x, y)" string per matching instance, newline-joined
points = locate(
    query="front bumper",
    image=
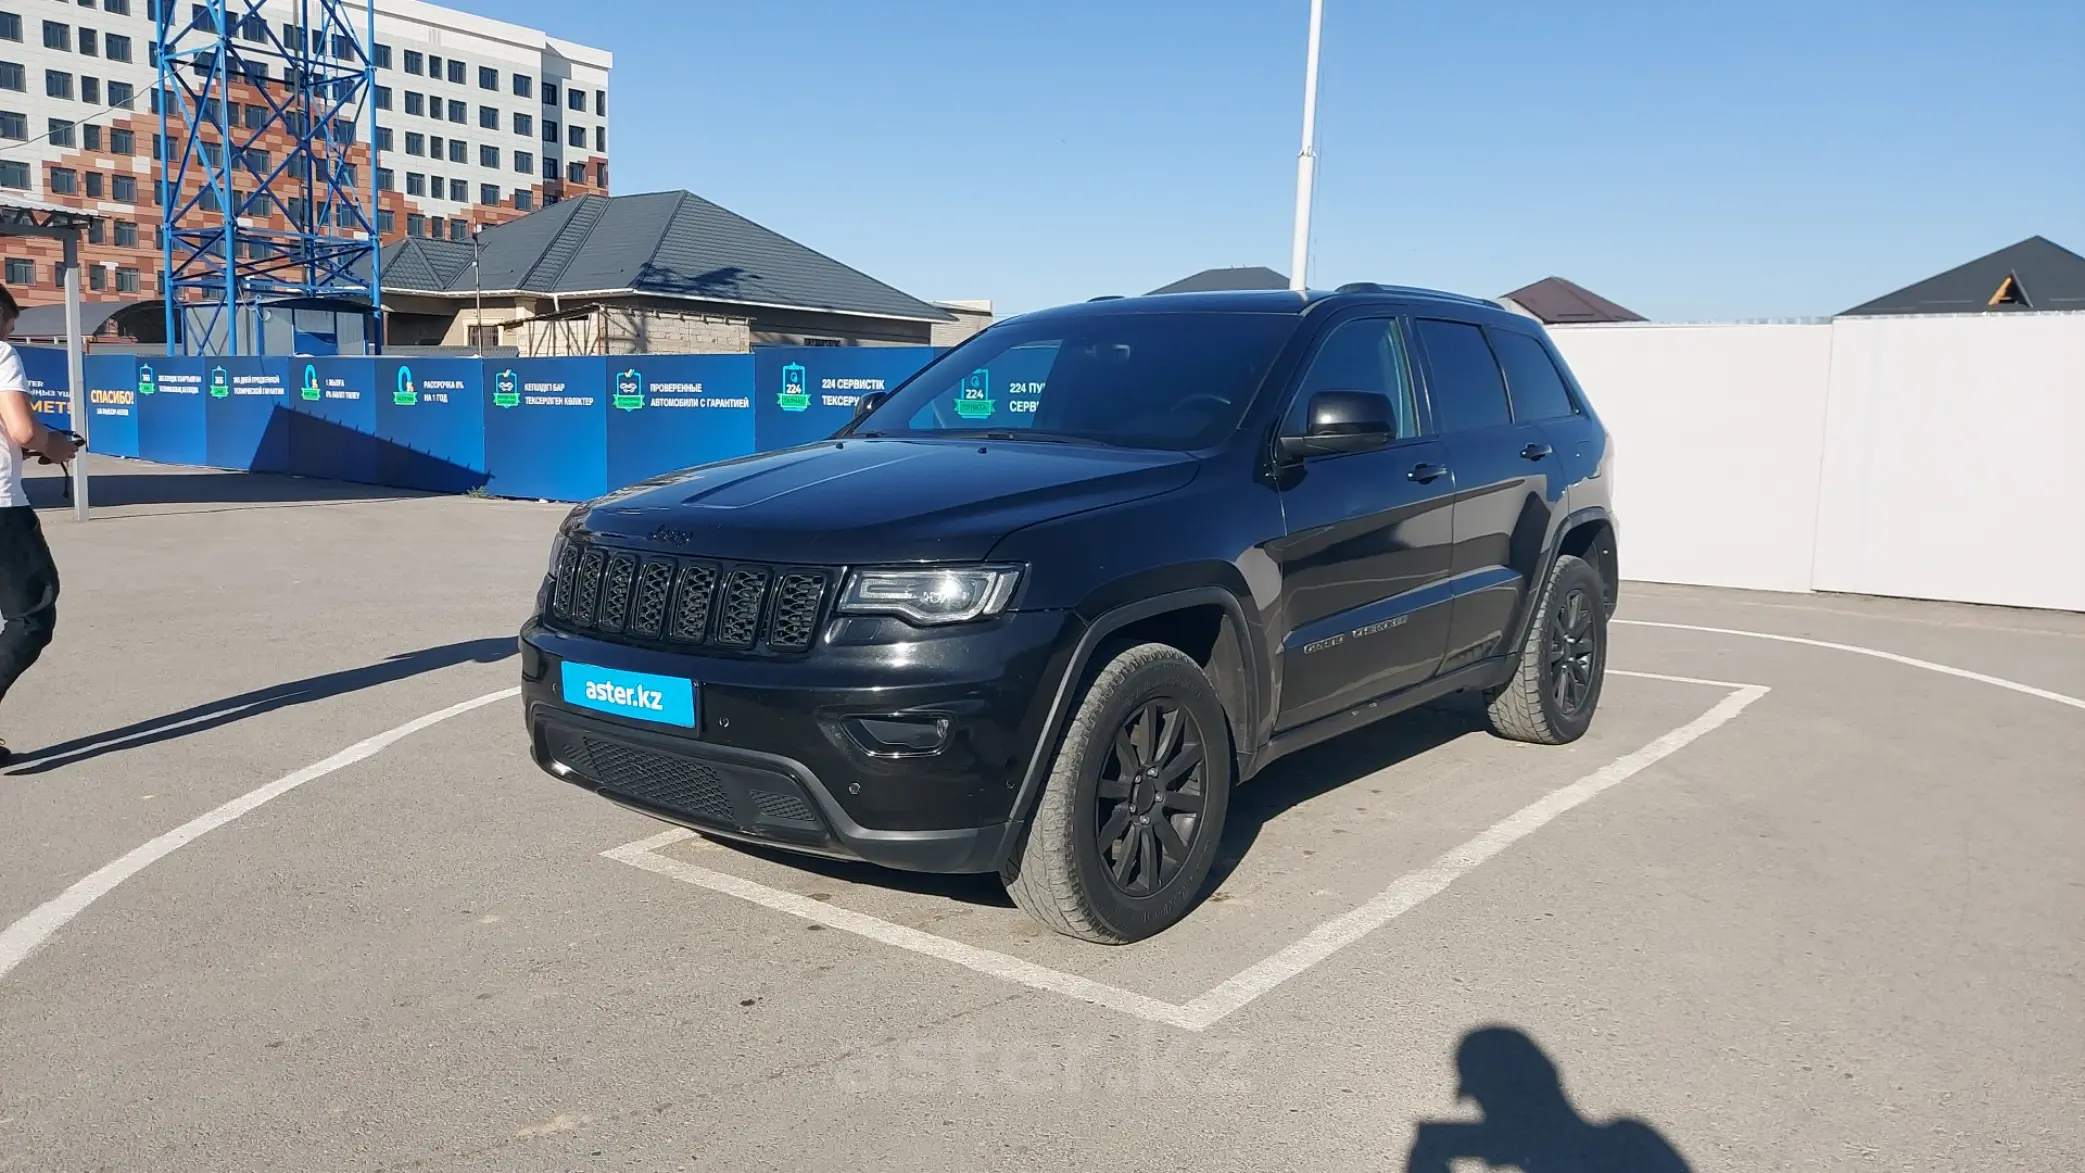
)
(777, 757)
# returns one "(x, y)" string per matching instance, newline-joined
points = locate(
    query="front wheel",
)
(1128, 822)
(1563, 662)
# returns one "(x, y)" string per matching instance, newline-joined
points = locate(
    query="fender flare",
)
(1075, 673)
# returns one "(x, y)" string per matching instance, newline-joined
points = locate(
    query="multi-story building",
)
(477, 121)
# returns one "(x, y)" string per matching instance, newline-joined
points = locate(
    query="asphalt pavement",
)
(1788, 906)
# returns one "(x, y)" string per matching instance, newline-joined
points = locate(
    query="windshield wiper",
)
(1013, 434)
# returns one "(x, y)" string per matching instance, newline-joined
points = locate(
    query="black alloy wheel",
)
(1572, 651)
(1150, 797)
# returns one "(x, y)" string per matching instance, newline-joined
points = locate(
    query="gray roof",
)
(1554, 301)
(667, 244)
(1214, 280)
(2035, 274)
(48, 321)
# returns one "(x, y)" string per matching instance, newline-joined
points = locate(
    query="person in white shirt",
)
(28, 576)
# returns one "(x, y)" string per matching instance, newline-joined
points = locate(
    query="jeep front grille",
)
(637, 597)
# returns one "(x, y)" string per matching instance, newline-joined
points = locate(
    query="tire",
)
(1568, 635)
(1081, 865)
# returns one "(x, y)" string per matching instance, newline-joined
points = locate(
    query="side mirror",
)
(869, 403)
(1341, 422)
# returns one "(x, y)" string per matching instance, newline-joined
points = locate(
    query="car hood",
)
(881, 500)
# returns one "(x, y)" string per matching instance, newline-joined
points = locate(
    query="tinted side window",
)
(1363, 355)
(1531, 378)
(1462, 377)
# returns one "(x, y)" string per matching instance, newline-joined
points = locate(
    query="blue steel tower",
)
(267, 188)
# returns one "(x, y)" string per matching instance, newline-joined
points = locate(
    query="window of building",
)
(122, 142)
(459, 112)
(116, 48)
(57, 84)
(90, 137)
(14, 173)
(380, 55)
(13, 125)
(601, 103)
(488, 156)
(126, 280)
(413, 62)
(524, 125)
(601, 176)
(253, 28)
(524, 85)
(97, 277)
(415, 224)
(345, 176)
(11, 30)
(488, 78)
(90, 90)
(414, 103)
(434, 67)
(488, 193)
(525, 162)
(343, 47)
(90, 43)
(550, 167)
(576, 172)
(436, 185)
(119, 7)
(415, 143)
(386, 221)
(20, 271)
(455, 72)
(575, 136)
(122, 93)
(550, 130)
(65, 181)
(434, 228)
(126, 234)
(459, 230)
(383, 97)
(460, 190)
(57, 36)
(386, 179)
(600, 140)
(343, 131)
(489, 117)
(434, 146)
(1463, 377)
(124, 188)
(13, 77)
(254, 117)
(459, 151)
(575, 98)
(59, 131)
(415, 183)
(94, 185)
(383, 138)
(549, 93)
(524, 200)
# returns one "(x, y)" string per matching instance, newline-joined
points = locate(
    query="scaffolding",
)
(268, 194)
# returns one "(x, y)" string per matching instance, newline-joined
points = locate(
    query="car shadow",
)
(1529, 1122)
(213, 714)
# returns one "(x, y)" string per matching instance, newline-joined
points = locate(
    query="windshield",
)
(1167, 380)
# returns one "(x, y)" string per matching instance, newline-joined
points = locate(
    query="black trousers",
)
(28, 593)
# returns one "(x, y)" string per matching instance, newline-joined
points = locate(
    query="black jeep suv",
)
(1038, 609)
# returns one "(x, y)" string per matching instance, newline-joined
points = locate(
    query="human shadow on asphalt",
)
(1529, 1122)
(205, 717)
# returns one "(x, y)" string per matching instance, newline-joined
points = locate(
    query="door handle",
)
(1424, 473)
(1535, 451)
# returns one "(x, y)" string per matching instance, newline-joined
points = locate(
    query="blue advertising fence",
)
(564, 429)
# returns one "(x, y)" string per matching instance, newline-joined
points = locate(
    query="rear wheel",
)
(1563, 662)
(1128, 822)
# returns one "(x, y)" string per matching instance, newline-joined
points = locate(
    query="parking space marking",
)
(1877, 653)
(26, 935)
(1234, 993)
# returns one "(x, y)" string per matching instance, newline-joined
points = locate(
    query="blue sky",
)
(1690, 160)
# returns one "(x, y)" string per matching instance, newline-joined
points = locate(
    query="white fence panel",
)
(1719, 432)
(1954, 460)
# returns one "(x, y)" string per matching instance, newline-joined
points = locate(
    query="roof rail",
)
(1413, 290)
(1106, 297)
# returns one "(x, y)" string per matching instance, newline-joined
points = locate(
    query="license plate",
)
(667, 700)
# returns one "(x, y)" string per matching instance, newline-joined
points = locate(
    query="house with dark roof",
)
(1215, 280)
(1554, 301)
(2035, 274)
(663, 271)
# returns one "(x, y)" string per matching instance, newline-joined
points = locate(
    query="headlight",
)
(557, 550)
(940, 594)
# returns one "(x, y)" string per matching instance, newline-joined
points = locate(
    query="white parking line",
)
(24, 936)
(1403, 895)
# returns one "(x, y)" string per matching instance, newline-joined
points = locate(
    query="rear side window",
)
(1462, 377)
(1362, 355)
(1532, 380)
